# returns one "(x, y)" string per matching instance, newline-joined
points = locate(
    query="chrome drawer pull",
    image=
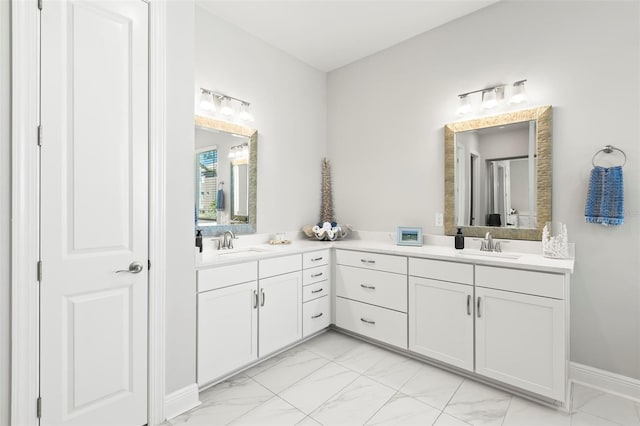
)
(367, 261)
(368, 287)
(319, 274)
(368, 321)
(316, 291)
(317, 259)
(468, 304)
(316, 316)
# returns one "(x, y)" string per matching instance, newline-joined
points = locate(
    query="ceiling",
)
(330, 34)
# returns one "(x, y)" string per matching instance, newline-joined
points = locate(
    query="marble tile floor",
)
(334, 379)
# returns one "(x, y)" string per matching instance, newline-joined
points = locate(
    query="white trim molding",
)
(25, 33)
(181, 401)
(606, 381)
(157, 210)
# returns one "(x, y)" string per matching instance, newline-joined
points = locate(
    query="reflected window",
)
(207, 181)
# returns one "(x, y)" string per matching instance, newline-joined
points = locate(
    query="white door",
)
(441, 321)
(520, 341)
(94, 195)
(280, 314)
(227, 330)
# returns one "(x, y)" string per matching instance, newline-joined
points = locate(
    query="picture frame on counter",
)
(409, 236)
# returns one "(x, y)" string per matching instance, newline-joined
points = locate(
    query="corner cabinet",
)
(371, 295)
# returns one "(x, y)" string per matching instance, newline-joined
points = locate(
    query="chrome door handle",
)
(479, 306)
(134, 268)
(468, 304)
(262, 296)
(255, 299)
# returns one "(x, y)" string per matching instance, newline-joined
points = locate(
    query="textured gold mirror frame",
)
(542, 116)
(252, 134)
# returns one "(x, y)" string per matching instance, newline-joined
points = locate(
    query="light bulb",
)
(464, 105)
(245, 112)
(518, 93)
(489, 99)
(206, 101)
(226, 108)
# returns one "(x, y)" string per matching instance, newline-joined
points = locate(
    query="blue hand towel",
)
(220, 200)
(605, 196)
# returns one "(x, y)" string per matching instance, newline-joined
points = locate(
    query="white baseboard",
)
(606, 381)
(181, 401)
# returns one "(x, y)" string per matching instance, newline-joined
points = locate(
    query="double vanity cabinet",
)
(504, 322)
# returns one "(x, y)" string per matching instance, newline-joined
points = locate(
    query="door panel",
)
(94, 195)
(280, 312)
(441, 321)
(520, 341)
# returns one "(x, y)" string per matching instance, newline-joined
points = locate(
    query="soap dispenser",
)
(459, 240)
(199, 239)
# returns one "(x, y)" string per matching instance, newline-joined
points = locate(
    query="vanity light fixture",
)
(239, 151)
(228, 106)
(518, 92)
(493, 96)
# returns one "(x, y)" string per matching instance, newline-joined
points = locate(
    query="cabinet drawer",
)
(378, 323)
(313, 291)
(313, 275)
(280, 265)
(224, 276)
(441, 270)
(316, 315)
(521, 281)
(377, 288)
(379, 262)
(315, 258)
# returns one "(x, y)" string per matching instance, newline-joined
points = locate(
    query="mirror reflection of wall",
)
(495, 176)
(221, 173)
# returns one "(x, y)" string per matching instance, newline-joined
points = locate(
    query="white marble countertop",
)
(511, 259)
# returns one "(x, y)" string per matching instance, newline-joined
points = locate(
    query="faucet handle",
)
(496, 247)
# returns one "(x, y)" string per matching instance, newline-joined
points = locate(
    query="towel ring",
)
(608, 149)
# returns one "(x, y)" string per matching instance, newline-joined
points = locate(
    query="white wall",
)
(181, 280)
(5, 211)
(288, 99)
(385, 139)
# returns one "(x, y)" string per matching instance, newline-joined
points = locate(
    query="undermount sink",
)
(472, 252)
(242, 250)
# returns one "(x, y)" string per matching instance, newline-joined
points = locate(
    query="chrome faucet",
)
(227, 241)
(488, 244)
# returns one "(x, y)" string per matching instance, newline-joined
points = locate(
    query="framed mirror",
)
(498, 175)
(225, 165)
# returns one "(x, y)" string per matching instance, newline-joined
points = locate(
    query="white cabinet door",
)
(441, 321)
(520, 340)
(280, 312)
(227, 330)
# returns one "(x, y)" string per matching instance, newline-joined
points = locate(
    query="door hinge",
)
(39, 4)
(39, 270)
(39, 135)
(39, 407)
